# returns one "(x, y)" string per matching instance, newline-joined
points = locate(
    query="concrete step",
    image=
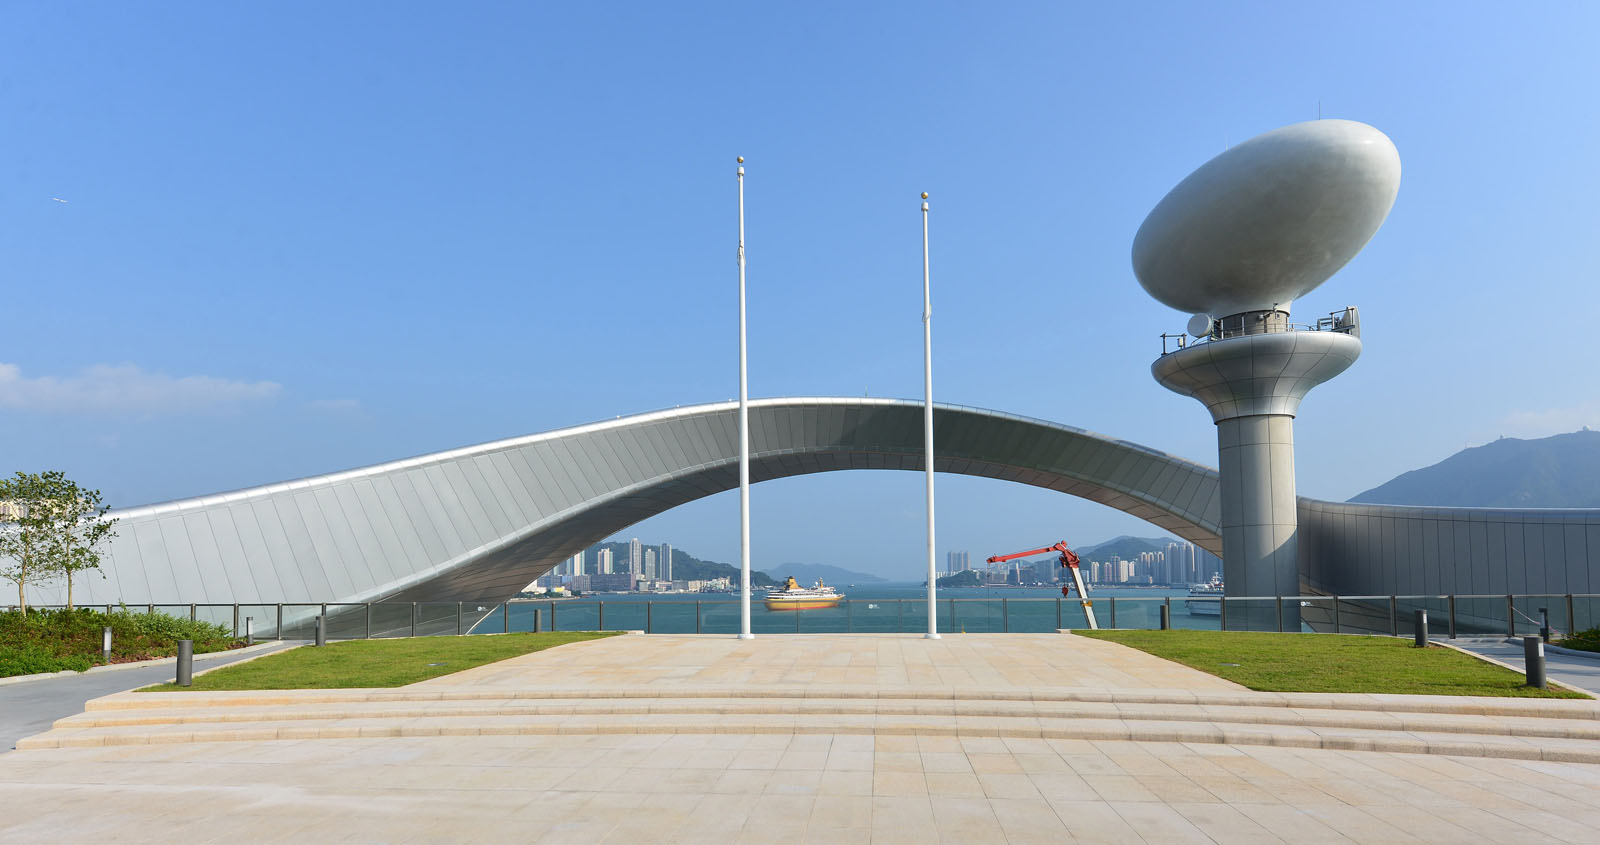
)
(166, 713)
(1145, 730)
(1545, 708)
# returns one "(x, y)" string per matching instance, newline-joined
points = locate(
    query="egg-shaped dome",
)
(1268, 220)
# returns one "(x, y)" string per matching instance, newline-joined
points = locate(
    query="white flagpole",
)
(927, 417)
(744, 442)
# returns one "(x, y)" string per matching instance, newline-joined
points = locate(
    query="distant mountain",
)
(1125, 547)
(1562, 471)
(806, 573)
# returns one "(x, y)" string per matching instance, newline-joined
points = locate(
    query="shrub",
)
(52, 640)
(1583, 640)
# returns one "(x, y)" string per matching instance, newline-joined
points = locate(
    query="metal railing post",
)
(369, 620)
(1113, 611)
(236, 621)
(1005, 616)
(1394, 622)
(414, 619)
(505, 617)
(1336, 614)
(1280, 614)
(1511, 617)
(1058, 614)
(1452, 598)
(461, 611)
(150, 610)
(1572, 621)
(278, 632)
(953, 617)
(697, 615)
(797, 622)
(1222, 612)
(552, 615)
(899, 615)
(649, 616)
(324, 615)
(193, 615)
(600, 607)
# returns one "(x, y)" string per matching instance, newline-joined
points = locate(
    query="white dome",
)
(1268, 220)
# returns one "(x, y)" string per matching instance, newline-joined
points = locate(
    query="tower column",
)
(1252, 384)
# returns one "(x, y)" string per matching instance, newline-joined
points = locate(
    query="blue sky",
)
(300, 237)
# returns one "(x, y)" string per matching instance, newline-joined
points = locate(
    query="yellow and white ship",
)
(792, 596)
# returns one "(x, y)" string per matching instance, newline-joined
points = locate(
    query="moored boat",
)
(1206, 599)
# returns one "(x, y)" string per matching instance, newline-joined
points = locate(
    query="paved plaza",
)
(835, 738)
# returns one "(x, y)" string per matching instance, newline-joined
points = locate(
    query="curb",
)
(138, 664)
(1518, 670)
(1570, 652)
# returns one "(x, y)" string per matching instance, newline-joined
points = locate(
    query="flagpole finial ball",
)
(741, 159)
(924, 194)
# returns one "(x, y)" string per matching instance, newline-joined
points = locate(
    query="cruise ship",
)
(792, 596)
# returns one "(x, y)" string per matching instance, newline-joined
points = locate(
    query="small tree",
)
(51, 528)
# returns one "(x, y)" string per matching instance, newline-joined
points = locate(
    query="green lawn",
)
(1330, 663)
(376, 663)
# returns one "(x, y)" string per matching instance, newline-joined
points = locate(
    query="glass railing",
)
(1447, 616)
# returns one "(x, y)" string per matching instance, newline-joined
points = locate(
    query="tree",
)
(49, 528)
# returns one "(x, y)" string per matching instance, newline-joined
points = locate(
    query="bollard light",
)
(1166, 617)
(185, 662)
(322, 633)
(105, 644)
(249, 630)
(1421, 625)
(1533, 657)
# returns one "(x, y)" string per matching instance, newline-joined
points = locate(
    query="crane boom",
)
(1068, 559)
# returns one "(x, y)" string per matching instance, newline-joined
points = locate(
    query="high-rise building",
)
(650, 572)
(957, 562)
(577, 564)
(635, 557)
(664, 562)
(603, 564)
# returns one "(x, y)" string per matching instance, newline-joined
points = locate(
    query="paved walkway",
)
(1581, 672)
(825, 738)
(29, 707)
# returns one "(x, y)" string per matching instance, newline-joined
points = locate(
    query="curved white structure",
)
(1267, 221)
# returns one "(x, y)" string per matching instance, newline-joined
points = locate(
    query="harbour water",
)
(882, 607)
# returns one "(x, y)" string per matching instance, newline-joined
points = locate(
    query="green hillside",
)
(1562, 471)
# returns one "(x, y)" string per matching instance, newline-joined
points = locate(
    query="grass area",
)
(376, 663)
(57, 640)
(1330, 663)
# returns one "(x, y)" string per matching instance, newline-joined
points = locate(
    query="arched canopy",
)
(482, 522)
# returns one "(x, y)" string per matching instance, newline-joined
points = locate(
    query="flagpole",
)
(927, 417)
(744, 441)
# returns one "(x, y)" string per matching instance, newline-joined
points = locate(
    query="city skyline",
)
(388, 242)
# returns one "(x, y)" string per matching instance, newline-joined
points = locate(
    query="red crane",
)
(1068, 559)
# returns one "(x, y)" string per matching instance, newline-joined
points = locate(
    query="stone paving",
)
(780, 757)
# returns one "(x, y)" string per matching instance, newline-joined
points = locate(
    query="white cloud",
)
(126, 388)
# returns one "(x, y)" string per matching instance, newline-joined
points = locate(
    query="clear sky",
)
(301, 237)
